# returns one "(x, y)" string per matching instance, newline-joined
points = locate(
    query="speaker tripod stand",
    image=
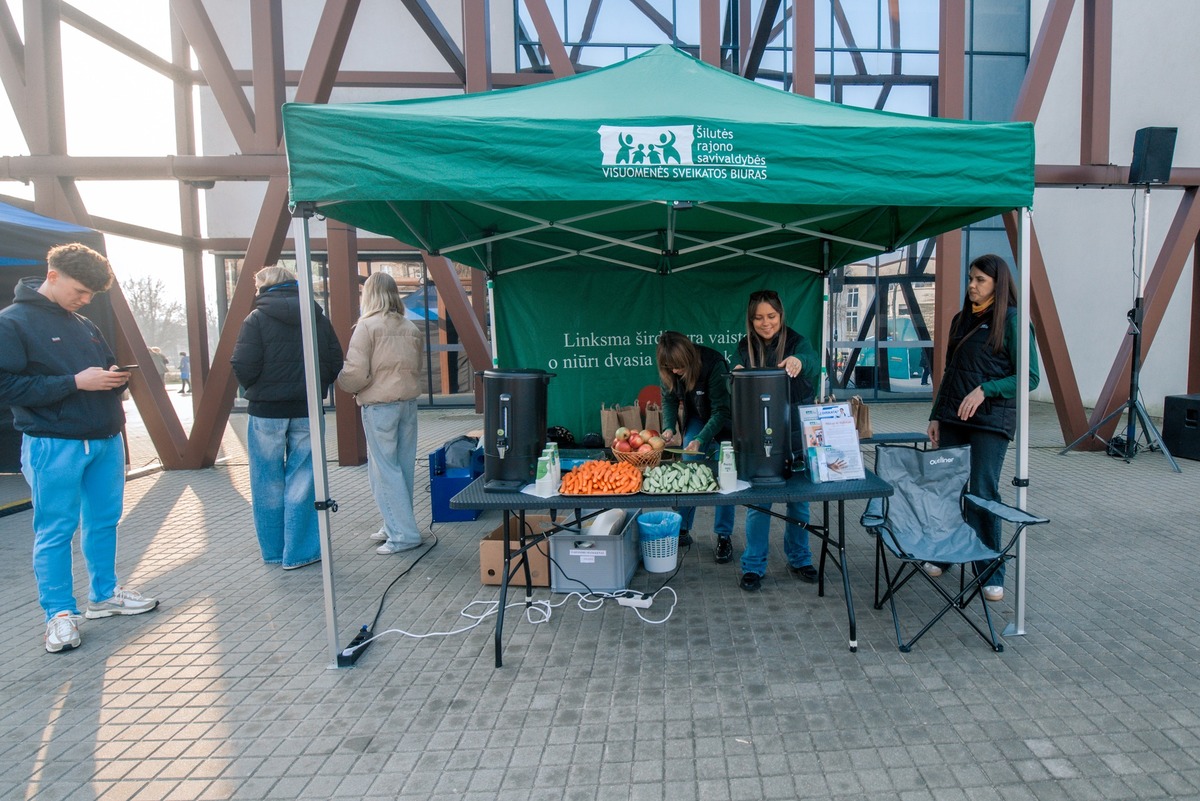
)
(1127, 447)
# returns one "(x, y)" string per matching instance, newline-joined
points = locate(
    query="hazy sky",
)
(115, 107)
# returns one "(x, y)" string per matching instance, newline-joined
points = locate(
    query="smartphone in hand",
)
(125, 368)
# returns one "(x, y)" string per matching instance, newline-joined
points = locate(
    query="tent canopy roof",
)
(660, 162)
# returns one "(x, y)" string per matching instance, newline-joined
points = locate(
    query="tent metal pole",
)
(1021, 474)
(826, 356)
(491, 304)
(316, 428)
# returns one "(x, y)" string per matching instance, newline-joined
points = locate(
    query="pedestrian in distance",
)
(185, 373)
(695, 379)
(61, 380)
(976, 400)
(383, 371)
(268, 361)
(770, 343)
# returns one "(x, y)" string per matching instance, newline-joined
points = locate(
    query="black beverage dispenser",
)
(514, 427)
(762, 433)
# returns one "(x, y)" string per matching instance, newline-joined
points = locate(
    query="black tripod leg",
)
(1091, 432)
(1155, 437)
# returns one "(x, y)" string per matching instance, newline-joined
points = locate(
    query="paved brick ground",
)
(226, 691)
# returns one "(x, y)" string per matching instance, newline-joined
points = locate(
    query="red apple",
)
(622, 445)
(635, 440)
(645, 447)
(622, 433)
(648, 433)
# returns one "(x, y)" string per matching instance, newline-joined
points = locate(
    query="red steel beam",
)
(804, 55)
(1052, 341)
(266, 30)
(343, 314)
(947, 290)
(1193, 376)
(548, 35)
(218, 71)
(443, 42)
(1042, 60)
(333, 30)
(1096, 110)
(710, 32)
(477, 50)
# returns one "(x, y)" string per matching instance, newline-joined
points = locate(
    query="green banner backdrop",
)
(596, 329)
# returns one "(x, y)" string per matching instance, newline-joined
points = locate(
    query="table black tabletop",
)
(796, 489)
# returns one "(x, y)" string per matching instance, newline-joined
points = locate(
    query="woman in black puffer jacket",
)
(976, 401)
(268, 360)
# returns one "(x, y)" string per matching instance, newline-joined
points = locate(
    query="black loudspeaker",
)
(1181, 425)
(1153, 151)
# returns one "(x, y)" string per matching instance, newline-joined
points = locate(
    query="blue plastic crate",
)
(444, 484)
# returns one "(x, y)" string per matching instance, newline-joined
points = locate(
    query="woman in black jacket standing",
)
(268, 360)
(975, 404)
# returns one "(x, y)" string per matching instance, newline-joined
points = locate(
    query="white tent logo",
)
(649, 146)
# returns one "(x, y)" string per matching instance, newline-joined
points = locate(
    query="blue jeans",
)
(391, 430)
(281, 490)
(722, 515)
(795, 539)
(987, 458)
(72, 481)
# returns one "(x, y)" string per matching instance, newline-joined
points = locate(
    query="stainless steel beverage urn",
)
(514, 427)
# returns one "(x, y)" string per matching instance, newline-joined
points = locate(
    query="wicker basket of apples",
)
(643, 448)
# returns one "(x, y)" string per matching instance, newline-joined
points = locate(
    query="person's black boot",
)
(724, 550)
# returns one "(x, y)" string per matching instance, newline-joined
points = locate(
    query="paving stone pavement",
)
(226, 691)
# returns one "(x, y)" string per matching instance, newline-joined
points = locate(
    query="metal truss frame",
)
(31, 72)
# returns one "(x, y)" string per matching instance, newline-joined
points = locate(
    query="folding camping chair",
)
(925, 521)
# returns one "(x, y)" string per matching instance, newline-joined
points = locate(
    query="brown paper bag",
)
(862, 416)
(631, 416)
(654, 416)
(610, 421)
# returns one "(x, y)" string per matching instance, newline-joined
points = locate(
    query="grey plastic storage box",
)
(604, 563)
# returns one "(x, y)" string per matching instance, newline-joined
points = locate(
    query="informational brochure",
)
(831, 442)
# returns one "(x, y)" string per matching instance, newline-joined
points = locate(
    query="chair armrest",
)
(1005, 512)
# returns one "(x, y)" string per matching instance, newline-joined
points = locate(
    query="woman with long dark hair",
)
(770, 343)
(695, 383)
(976, 401)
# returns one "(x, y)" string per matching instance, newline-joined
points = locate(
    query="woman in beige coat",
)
(383, 370)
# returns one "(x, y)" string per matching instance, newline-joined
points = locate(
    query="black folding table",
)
(796, 489)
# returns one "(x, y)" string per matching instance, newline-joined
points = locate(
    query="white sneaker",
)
(379, 536)
(123, 602)
(391, 546)
(993, 593)
(62, 632)
(931, 569)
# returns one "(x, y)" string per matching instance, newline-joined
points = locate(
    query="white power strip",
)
(638, 600)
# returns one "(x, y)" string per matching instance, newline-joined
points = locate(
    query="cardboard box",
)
(491, 553)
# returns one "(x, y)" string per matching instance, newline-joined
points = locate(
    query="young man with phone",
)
(61, 379)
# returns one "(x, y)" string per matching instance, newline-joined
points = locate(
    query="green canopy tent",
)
(653, 193)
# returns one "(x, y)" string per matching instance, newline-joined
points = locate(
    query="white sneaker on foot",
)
(62, 632)
(379, 536)
(931, 569)
(993, 593)
(123, 602)
(392, 546)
